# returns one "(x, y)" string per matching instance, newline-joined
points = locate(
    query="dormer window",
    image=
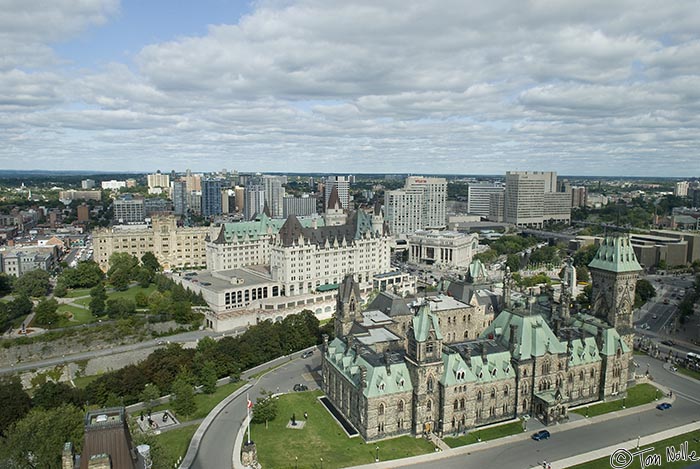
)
(381, 386)
(460, 374)
(429, 347)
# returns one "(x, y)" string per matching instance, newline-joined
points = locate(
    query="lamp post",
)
(321, 463)
(296, 462)
(376, 457)
(623, 403)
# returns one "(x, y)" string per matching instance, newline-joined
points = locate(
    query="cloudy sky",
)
(579, 87)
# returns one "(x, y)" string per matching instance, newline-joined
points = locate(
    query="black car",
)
(307, 354)
(541, 435)
(300, 387)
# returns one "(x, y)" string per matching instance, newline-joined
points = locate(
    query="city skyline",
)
(606, 89)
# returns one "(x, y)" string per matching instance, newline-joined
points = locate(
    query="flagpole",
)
(247, 410)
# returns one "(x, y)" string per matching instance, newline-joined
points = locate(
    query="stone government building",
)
(395, 372)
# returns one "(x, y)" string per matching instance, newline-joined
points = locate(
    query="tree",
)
(50, 395)
(150, 262)
(583, 274)
(644, 292)
(144, 277)
(123, 268)
(265, 408)
(20, 306)
(149, 395)
(5, 284)
(184, 403)
(98, 296)
(45, 312)
(37, 440)
(585, 255)
(513, 262)
(15, 402)
(208, 377)
(33, 283)
(141, 299)
(86, 274)
(120, 307)
(60, 290)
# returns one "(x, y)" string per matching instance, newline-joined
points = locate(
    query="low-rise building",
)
(446, 249)
(20, 260)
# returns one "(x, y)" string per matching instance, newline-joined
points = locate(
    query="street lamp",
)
(321, 463)
(623, 403)
(296, 462)
(376, 457)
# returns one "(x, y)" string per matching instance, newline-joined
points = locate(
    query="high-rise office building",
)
(87, 184)
(579, 196)
(211, 196)
(479, 197)
(531, 198)
(254, 198)
(274, 194)
(681, 189)
(129, 209)
(179, 189)
(299, 206)
(343, 185)
(158, 180)
(421, 204)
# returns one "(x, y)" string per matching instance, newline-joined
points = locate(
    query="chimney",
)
(469, 357)
(483, 351)
(511, 340)
(363, 377)
(387, 364)
(599, 338)
(349, 344)
(325, 343)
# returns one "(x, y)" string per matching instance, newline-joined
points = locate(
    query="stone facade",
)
(391, 380)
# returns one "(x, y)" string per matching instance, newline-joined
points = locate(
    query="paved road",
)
(216, 449)
(567, 443)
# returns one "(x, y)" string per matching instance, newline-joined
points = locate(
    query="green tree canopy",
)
(150, 262)
(86, 274)
(184, 403)
(15, 402)
(50, 395)
(98, 297)
(37, 440)
(149, 395)
(585, 255)
(33, 283)
(123, 268)
(120, 307)
(265, 408)
(45, 312)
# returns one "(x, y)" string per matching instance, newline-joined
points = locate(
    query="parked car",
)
(664, 406)
(307, 354)
(668, 342)
(541, 435)
(300, 387)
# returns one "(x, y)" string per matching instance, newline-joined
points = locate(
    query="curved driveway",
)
(216, 448)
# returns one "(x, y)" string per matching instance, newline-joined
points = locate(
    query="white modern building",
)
(479, 197)
(531, 199)
(342, 183)
(421, 204)
(113, 185)
(444, 249)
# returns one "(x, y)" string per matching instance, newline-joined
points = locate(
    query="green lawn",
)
(687, 372)
(79, 315)
(205, 402)
(83, 381)
(322, 437)
(174, 443)
(636, 395)
(75, 293)
(659, 448)
(131, 292)
(486, 434)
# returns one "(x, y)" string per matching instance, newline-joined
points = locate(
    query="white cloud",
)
(443, 86)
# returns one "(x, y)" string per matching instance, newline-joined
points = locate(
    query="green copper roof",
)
(583, 351)
(380, 381)
(477, 272)
(495, 368)
(456, 371)
(261, 226)
(533, 336)
(424, 322)
(327, 287)
(616, 255)
(612, 342)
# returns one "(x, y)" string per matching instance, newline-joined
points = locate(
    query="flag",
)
(250, 404)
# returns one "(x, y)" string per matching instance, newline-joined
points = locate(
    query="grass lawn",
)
(79, 315)
(687, 372)
(175, 442)
(83, 381)
(83, 301)
(486, 434)
(659, 448)
(205, 402)
(75, 293)
(636, 395)
(322, 437)
(131, 292)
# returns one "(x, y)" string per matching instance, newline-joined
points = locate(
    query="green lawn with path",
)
(131, 292)
(659, 448)
(486, 434)
(205, 402)
(636, 395)
(82, 381)
(322, 437)
(77, 292)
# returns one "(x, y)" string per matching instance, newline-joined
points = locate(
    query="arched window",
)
(505, 391)
(493, 393)
(455, 405)
(464, 318)
(381, 409)
(592, 372)
(429, 405)
(430, 384)
(524, 405)
(400, 406)
(478, 395)
(466, 334)
(461, 403)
